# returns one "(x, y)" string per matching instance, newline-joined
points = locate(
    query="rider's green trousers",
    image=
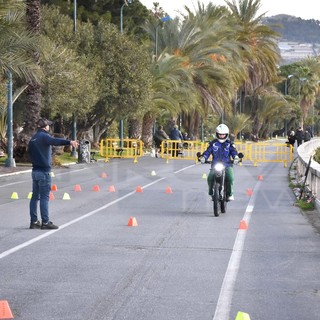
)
(229, 180)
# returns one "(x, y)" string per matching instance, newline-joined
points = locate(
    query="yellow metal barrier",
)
(254, 152)
(176, 149)
(131, 148)
(266, 152)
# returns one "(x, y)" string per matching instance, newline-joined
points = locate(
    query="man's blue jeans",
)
(41, 186)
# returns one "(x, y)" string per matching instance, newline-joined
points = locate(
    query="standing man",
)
(176, 135)
(159, 136)
(299, 136)
(40, 151)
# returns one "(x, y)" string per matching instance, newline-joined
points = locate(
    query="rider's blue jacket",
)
(223, 152)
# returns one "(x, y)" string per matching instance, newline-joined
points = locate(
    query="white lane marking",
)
(13, 183)
(185, 168)
(226, 293)
(89, 214)
(22, 181)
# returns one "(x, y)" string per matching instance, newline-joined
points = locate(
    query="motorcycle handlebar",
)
(240, 155)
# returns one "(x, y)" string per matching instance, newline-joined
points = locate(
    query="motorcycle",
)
(219, 189)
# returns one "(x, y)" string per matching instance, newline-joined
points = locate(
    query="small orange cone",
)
(54, 187)
(103, 175)
(96, 188)
(260, 178)
(139, 189)
(5, 311)
(51, 196)
(168, 190)
(243, 225)
(77, 188)
(132, 222)
(249, 192)
(112, 189)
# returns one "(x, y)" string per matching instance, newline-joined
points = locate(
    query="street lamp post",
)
(125, 3)
(164, 19)
(10, 162)
(74, 153)
(286, 93)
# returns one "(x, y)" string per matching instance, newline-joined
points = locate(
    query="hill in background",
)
(299, 38)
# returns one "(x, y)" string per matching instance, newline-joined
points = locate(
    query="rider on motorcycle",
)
(221, 149)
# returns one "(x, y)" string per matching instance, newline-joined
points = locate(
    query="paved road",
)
(180, 262)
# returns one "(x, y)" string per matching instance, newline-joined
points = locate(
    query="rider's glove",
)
(236, 160)
(202, 160)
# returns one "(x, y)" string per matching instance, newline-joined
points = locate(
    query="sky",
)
(305, 9)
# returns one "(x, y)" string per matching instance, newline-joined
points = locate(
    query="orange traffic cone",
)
(51, 196)
(54, 187)
(103, 175)
(249, 192)
(243, 225)
(77, 188)
(5, 311)
(168, 190)
(260, 178)
(96, 188)
(112, 189)
(132, 222)
(139, 189)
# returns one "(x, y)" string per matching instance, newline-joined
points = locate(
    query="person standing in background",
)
(299, 136)
(176, 134)
(159, 136)
(307, 136)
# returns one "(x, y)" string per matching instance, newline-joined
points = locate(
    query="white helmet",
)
(222, 132)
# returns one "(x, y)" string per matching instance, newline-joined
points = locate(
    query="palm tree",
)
(259, 50)
(33, 93)
(15, 45)
(16, 42)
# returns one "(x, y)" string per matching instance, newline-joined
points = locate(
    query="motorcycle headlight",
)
(219, 167)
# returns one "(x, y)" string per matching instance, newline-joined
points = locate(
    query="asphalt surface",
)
(180, 262)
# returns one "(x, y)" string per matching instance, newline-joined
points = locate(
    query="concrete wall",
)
(313, 179)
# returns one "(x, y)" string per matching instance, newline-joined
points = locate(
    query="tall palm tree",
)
(259, 49)
(33, 93)
(16, 42)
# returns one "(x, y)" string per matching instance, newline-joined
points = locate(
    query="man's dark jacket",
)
(40, 150)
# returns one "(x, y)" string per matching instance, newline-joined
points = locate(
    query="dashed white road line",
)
(226, 293)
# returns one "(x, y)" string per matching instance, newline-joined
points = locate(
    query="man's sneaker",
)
(230, 198)
(49, 225)
(35, 225)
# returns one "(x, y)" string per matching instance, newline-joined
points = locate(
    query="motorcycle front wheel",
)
(216, 200)
(223, 201)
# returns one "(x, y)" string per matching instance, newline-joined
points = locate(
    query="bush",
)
(316, 156)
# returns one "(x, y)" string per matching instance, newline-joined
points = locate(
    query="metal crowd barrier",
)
(255, 152)
(185, 150)
(127, 148)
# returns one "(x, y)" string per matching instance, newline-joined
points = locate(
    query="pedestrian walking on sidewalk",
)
(40, 152)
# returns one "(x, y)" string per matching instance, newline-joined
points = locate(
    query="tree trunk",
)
(147, 126)
(135, 128)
